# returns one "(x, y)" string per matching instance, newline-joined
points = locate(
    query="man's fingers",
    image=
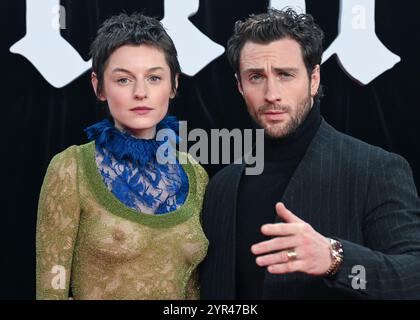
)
(291, 266)
(275, 258)
(276, 244)
(281, 229)
(285, 214)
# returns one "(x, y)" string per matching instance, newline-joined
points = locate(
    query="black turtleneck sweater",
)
(258, 195)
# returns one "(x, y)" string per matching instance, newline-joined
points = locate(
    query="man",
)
(330, 216)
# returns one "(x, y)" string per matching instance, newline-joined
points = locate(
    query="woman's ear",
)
(173, 92)
(94, 81)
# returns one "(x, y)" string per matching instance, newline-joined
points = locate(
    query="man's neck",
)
(296, 143)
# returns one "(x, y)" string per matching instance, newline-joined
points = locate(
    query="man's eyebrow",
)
(289, 69)
(259, 70)
(253, 70)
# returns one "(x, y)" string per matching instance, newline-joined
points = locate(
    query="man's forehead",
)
(284, 53)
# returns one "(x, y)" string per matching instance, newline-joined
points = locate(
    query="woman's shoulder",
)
(200, 172)
(69, 156)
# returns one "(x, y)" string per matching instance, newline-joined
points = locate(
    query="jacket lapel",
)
(218, 270)
(303, 187)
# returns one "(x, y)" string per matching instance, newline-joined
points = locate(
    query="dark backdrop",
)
(39, 120)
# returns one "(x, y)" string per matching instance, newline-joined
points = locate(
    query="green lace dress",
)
(90, 245)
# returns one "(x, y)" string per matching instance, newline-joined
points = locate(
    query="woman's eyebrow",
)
(155, 69)
(129, 72)
(122, 70)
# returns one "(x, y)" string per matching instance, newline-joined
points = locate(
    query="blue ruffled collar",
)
(124, 145)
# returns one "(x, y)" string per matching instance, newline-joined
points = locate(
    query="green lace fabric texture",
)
(89, 245)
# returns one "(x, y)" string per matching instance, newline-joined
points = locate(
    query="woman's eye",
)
(124, 81)
(154, 78)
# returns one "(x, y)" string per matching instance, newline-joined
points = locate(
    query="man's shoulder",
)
(348, 146)
(227, 175)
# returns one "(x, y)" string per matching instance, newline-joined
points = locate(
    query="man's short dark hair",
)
(135, 29)
(276, 25)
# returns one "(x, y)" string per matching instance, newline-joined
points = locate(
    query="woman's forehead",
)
(138, 58)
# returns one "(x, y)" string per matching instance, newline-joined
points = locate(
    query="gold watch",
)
(337, 256)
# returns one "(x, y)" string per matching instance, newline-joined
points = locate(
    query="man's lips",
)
(274, 114)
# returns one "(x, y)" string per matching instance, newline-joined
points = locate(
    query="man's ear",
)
(94, 81)
(173, 92)
(315, 80)
(238, 82)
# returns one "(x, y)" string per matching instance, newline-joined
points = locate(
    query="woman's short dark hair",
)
(134, 29)
(276, 25)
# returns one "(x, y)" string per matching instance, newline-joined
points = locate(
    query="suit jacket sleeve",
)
(390, 256)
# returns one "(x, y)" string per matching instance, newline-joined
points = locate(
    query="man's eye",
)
(286, 75)
(255, 77)
(123, 81)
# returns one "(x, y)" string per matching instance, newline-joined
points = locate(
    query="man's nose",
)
(272, 93)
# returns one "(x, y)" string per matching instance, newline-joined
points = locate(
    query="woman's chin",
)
(145, 131)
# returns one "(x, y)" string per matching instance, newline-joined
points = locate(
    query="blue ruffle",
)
(130, 170)
(123, 145)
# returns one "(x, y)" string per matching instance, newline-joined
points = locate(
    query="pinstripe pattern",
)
(346, 189)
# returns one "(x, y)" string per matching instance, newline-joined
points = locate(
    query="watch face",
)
(337, 249)
(337, 256)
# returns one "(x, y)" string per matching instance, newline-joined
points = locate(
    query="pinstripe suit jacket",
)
(346, 189)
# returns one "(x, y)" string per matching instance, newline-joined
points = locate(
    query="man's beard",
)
(281, 129)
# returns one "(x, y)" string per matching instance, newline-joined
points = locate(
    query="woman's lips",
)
(141, 110)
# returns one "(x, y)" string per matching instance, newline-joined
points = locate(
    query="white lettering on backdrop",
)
(361, 54)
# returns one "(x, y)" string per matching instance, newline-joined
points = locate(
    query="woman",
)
(113, 222)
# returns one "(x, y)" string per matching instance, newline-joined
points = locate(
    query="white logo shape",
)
(297, 5)
(195, 49)
(57, 61)
(361, 54)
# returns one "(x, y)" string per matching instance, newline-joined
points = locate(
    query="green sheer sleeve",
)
(193, 285)
(192, 291)
(57, 226)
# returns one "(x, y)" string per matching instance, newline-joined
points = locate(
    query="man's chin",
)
(276, 133)
(279, 130)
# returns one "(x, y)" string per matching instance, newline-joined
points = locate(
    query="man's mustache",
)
(273, 107)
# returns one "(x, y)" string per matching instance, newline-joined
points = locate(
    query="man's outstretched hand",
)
(295, 246)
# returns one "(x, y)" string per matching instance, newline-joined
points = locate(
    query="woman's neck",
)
(147, 133)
